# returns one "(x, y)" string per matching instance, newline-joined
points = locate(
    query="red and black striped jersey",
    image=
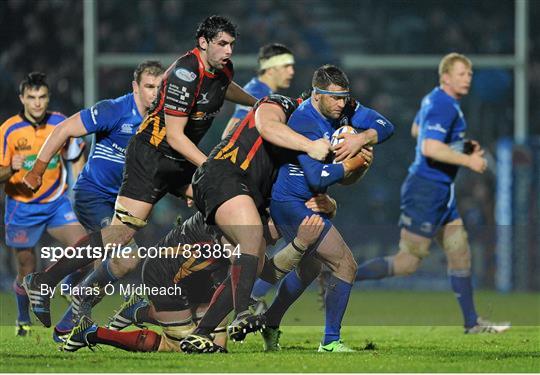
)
(245, 148)
(187, 90)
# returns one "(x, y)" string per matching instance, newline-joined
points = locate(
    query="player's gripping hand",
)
(322, 203)
(309, 231)
(356, 167)
(477, 162)
(17, 162)
(32, 179)
(352, 144)
(319, 149)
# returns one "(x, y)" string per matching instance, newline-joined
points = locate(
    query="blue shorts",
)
(25, 222)
(288, 216)
(426, 205)
(93, 210)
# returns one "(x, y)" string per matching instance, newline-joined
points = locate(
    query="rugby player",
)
(300, 179)
(245, 163)
(196, 275)
(114, 121)
(428, 201)
(163, 155)
(276, 71)
(28, 214)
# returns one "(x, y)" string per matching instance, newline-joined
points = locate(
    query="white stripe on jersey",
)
(109, 156)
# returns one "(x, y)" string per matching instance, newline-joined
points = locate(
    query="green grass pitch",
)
(392, 331)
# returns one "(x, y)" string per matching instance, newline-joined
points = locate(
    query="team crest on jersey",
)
(22, 145)
(127, 128)
(185, 75)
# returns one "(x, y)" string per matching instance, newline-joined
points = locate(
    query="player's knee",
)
(347, 268)
(173, 333)
(148, 341)
(122, 213)
(415, 245)
(405, 263)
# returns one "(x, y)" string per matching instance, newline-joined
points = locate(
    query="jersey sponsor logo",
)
(185, 75)
(183, 93)
(126, 128)
(203, 115)
(436, 127)
(204, 99)
(381, 122)
(30, 160)
(22, 145)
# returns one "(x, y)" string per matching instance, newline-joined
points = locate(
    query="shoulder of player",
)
(11, 122)
(187, 68)
(441, 99)
(55, 118)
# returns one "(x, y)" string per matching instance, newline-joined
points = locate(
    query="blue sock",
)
(66, 323)
(290, 288)
(462, 287)
(23, 316)
(336, 300)
(260, 288)
(73, 278)
(376, 268)
(101, 276)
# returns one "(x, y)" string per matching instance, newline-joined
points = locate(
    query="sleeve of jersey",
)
(5, 153)
(240, 111)
(417, 118)
(181, 90)
(318, 175)
(437, 121)
(102, 116)
(366, 118)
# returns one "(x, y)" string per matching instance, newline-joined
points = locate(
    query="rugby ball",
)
(335, 140)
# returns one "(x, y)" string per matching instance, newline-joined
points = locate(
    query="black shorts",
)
(197, 288)
(217, 181)
(149, 174)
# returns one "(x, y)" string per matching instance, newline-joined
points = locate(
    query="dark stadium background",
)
(48, 36)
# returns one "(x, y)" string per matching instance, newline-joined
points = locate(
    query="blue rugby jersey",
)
(440, 118)
(302, 177)
(256, 88)
(114, 122)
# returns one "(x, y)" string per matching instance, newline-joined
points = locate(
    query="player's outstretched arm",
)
(72, 127)
(178, 140)
(441, 152)
(270, 122)
(238, 95)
